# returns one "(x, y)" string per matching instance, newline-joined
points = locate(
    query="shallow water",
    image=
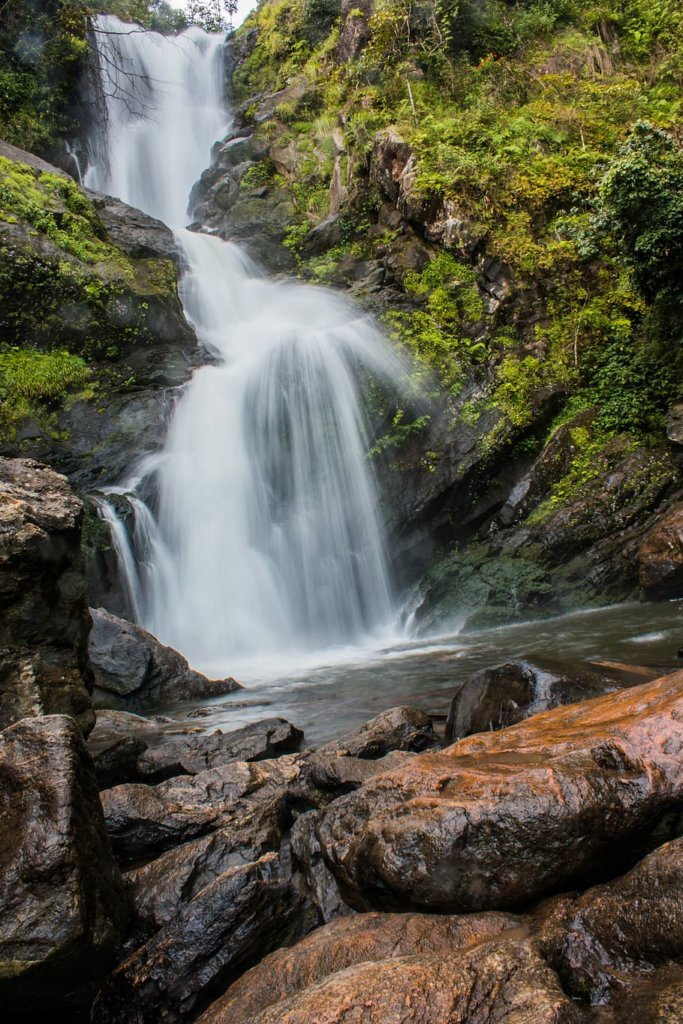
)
(328, 699)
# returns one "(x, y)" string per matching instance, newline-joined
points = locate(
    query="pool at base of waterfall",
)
(346, 687)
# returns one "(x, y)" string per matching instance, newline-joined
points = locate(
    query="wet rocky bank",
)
(527, 865)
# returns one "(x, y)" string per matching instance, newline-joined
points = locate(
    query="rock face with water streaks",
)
(62, 904)
(500, 819)
(43, 612)
(132, 667)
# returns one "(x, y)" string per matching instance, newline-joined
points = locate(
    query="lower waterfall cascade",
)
(256, 528)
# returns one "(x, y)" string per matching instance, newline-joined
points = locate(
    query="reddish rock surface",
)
(501, 819)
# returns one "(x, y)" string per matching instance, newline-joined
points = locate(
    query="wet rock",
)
(245, 912)
(138, 234)
(674, 423)
(656, 998)
(158, 890)
(131, 664)
(44, 618)
(631, 925)
(363, 938)
(144, 820)
(661, 557)
(62, 905)
(501, 696)
(313, 876)
(346, 773)
(118, 762)
(401, 728)
(193, 754)
(491, 984)
(501, 819)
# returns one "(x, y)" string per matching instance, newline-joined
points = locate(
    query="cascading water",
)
(264, 534)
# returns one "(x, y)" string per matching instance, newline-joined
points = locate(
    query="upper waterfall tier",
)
(163, 98)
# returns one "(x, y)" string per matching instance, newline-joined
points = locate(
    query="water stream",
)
(262, 537)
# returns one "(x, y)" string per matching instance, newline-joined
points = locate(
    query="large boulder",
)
(237, 917)
(131, 667)
(62, 904)
(629, 926)
(503, 818)
(504, 983)
(347, 942)
(661, 557)
(44, 618)
(505, 694)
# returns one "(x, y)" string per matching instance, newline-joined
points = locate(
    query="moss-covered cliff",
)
(500, 182)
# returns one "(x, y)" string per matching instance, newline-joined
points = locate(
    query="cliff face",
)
(473, 174)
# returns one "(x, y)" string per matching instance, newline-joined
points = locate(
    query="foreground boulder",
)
(497, 697)
(43, 612)
(629, 926)
(62, 905)
(501, 819)
(488, 984)
(132, 666)
(345, 943)
(240, 915)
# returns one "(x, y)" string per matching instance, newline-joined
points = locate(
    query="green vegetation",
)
(34, 384)
(549, 129)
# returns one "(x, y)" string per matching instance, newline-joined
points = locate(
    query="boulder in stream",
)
(134, 669)
(505, 694)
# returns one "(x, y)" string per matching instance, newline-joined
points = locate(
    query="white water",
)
(264, 536)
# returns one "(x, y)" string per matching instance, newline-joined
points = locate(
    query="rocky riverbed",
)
(154, 870)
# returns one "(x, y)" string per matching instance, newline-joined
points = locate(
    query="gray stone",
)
(131, 664)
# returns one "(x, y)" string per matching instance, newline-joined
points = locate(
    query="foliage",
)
(32, 383)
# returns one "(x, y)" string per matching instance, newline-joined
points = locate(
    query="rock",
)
(401, 728)
(311, 874)
(145, 820)
(120, 312)
(245, 912)
(631, 925)
(62, 905)
(503, 818)
(501, 696)
(118, 762)
(44, 618)
(130, 663)
(193, 754)
(158, 890)
(138, 234)
(370, 938)
(656, 998)
(355, 30)
(674, 423)
(661, 557)
(490, 984)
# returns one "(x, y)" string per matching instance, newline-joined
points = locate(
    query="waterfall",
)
(257, 528)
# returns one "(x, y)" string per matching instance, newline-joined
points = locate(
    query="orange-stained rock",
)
(349, 941)
(489, 984)
(661, 557)
(503, 818)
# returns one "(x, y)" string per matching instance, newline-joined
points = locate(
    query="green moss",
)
(34, 384)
